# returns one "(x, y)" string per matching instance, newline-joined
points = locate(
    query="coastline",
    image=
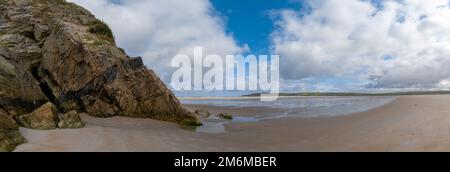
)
(409, 123)
(279, 97)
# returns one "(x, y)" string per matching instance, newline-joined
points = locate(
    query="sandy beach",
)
(409, 123)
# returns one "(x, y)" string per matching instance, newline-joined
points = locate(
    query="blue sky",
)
(253, 25)
(336, 45)
(249, 23)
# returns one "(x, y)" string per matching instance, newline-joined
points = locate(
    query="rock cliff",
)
(55, 51)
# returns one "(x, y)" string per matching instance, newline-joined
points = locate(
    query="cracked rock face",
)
(58, 52)
(65, 55)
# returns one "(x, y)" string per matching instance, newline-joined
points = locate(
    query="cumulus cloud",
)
(158, 30)
(389, 44)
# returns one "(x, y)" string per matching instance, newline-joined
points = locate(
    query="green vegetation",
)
(359, 94)
(102, 31)
(97, 43)
(225, 116)
(191, 122)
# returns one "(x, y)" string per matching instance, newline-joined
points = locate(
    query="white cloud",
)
(398, 44)
(157, 30)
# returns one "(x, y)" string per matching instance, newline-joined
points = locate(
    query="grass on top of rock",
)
(102, 31)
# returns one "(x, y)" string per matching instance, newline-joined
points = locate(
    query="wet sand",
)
(409, 123)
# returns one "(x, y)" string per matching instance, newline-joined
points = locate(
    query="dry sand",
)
(410, 123)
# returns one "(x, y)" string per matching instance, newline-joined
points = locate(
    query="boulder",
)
(6, 121)
(43, 118)
(225, 116)
(9, 133)
(202, 113)
(70, 120)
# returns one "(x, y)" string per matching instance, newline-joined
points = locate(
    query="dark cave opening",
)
(29, 34)
(45, 88)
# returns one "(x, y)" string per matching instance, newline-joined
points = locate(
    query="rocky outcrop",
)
(43, 118)
(59, 52)
(225, 116)
(70, 120)
(19, 91)
(52, 50)
(9, 133)
(202, 113)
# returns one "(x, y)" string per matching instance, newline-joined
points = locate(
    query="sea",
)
(296, 106)
(285, 107)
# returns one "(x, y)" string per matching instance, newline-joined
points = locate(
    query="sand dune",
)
(410, 123)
